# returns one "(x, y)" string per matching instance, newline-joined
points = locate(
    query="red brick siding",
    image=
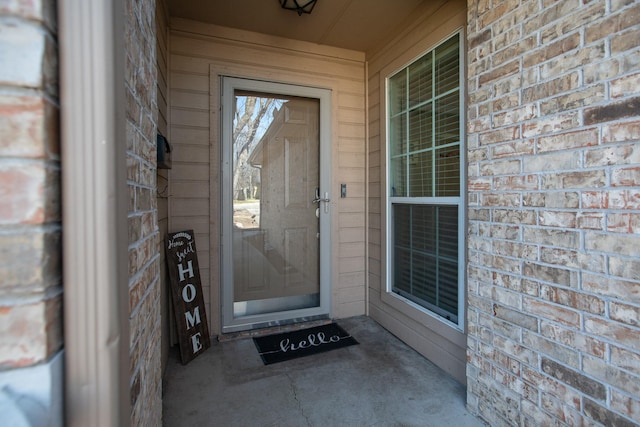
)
(30, 216)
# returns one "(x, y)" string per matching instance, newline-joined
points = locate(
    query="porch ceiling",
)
(350, 24)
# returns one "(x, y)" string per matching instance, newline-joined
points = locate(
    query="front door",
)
(275, 204)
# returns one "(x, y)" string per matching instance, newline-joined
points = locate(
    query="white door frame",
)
(229, 322)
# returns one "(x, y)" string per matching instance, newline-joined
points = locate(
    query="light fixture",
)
(300, 6)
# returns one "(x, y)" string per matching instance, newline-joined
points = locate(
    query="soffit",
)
(350, 24)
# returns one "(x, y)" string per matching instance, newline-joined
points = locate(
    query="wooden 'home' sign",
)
(186, 293)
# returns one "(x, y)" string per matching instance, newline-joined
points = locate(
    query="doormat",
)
(290, 345)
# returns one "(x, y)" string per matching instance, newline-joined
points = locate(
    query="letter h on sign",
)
(182, 270)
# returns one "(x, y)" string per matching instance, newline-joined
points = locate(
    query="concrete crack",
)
(295, 396)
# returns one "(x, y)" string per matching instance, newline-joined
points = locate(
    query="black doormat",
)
(280, 347)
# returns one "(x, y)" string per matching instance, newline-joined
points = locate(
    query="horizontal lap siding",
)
(189, 195)
(195, 49)
(441, 344)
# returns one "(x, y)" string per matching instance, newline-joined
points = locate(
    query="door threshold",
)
(269, 330)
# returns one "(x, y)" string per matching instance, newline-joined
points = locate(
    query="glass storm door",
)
(275, 206)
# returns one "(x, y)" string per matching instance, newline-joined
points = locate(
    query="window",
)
(425, 194)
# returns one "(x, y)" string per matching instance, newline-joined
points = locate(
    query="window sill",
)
(429, 320)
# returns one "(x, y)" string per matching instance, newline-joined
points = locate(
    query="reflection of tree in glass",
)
(252, 117)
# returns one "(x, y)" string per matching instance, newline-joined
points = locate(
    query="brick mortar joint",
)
(579, 329)
(153, 340)
(146, 109)
(137, 184)
(144, 336)
(31, 92)
(143, 139)
(48, 163)
(135, 122)
(140, 273)
(33, 229)
(142, 214)
(143, 240)
(142, 160)
(30, 296)
(150, 340)
(39, 24)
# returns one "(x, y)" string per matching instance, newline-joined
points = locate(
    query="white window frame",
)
(415, 310)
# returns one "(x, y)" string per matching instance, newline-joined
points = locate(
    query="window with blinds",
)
(425, 202)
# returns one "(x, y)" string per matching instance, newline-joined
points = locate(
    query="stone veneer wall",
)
(30, 218)
(554, 212)
(144, 239)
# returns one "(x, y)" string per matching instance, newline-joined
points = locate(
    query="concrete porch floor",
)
(380, 382)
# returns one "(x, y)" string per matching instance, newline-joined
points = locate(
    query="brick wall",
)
(30, 262)
(554, 212)
(144, 249)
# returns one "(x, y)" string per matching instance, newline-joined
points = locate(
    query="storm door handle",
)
(325, 199)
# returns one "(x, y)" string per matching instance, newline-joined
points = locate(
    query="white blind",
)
(424, 125)
(425, 256)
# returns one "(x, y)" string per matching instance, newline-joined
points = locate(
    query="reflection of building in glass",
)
(276, 246)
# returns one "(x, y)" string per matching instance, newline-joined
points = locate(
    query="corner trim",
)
(96, 320)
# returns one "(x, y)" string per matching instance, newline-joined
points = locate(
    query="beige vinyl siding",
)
(442, 344)
(199, 54)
